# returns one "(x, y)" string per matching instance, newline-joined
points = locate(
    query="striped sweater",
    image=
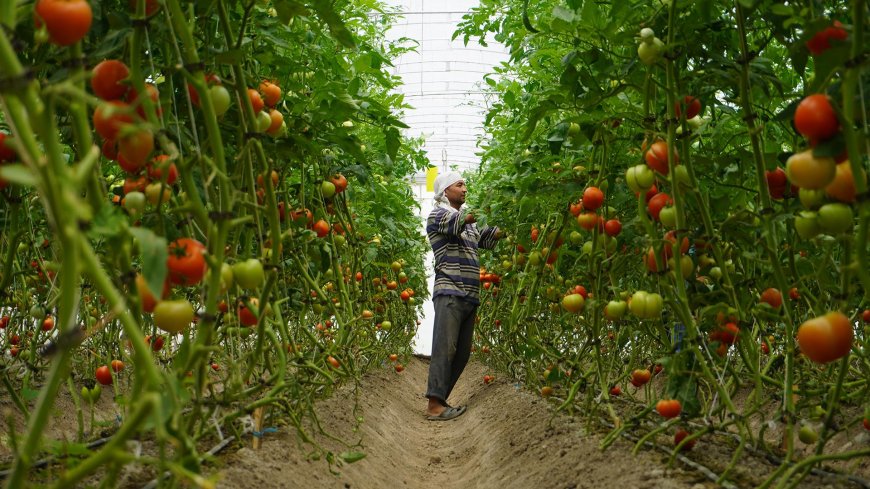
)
(455, 244)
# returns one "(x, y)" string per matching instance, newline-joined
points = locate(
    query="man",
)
(455, 240)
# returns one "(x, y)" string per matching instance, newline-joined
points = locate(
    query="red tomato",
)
(657, 203)
(576, 208)
(613, 227)
(271, 93)
(640, 377)
(246, 315)
(276, 118)
(117, 365)
(134, 148)
(669, 408)
(340, 182)
(680, 436)
(256, 100)
(593, 197)
(794, 294)
(692, 104)
(186, 262)
(773, 297)
(821, 41)
(6, 151)
(321, 227)
(107, 80)
(826, 338)
(67, 21)
(153, 94)
(587, 220)
(615, 391)
(137, 184)
(866, 316)
(110, 116)
(110, 149)
(48, 323)
(159, 165)
(776, 182)
(842, 187)
(333, 362)
(866, 424)
(155, 342)
(815, 119)
(657, 157)
(726, 334)
(104, 375)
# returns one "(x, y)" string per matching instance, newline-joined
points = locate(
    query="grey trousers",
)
(451, 344)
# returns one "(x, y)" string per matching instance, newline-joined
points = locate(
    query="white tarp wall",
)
(443, 81)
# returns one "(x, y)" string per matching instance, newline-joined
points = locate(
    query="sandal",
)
(447, 414)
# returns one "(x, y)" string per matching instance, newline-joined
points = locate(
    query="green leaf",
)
(393, 141)
(351, 457)
(154, 254)
(109, 222)
(336, 26)
(18, 174)
(287, 9)
(781, 9)
(232, 56)
(29, 394)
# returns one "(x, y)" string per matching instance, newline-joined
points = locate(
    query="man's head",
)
(450, 187)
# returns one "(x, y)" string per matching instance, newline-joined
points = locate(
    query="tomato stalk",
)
(855, 141)
(770, 234)
(145, 405)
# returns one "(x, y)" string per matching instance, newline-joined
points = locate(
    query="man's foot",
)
(447, 414)
(436, 407)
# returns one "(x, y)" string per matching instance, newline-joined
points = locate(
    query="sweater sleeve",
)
(442, 221)
(487, 238)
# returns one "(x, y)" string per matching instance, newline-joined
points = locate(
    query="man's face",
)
(456, 192)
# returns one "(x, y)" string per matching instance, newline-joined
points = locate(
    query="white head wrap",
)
(442, 182)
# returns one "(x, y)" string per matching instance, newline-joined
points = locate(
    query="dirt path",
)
(505, 440)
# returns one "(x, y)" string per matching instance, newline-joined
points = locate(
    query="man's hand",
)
(469, 218)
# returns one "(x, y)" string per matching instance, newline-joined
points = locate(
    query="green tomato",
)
(37, 312)
(227, 278)
(327, 189)
(836, 218)
(681, 173)
(173, 316)
(535, 258)
(686, 266)
(716, 273)
(134, 202)
(615, 310)
(668, 217)
(811, 199)
(573, 130)
(220, 99)
(249, 274)
(650, 52)
(639, 178)
(808, 435)
(807, 224)
(646, 305)
(575, 237)
(386, 325)
(339, 240)
(263, 121)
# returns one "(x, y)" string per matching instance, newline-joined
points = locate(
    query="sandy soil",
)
(508, 438)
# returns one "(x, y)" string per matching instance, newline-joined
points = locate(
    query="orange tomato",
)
(826, 338)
